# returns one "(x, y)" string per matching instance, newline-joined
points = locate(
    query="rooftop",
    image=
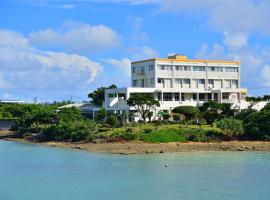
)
(183, 58)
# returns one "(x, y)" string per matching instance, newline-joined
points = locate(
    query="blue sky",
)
(55, 49)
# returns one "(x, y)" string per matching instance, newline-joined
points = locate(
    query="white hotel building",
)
(177, 81)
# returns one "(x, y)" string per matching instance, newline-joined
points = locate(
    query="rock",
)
(161, 151)
(240, 149)
(77, 147)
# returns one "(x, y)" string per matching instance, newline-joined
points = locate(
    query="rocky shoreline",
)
(138, 147)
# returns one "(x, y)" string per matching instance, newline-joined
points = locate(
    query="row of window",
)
(198, 68)
(195, 96)
(141, 69)
(231, 83)
(200, 81)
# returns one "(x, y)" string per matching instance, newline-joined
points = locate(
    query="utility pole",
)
(71, 98)
(35, 100)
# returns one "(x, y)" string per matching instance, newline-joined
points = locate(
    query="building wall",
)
(165, 73)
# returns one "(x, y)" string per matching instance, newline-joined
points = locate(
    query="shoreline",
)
(138, 147)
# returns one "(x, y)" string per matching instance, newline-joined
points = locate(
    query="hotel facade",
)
(178, 81)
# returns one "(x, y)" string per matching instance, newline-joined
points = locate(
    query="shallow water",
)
(42, 173)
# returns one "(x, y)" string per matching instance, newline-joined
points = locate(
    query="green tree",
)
(69, 114)
(101, 115)
(212, 111)
(112, 120)
(98, 95)
(231, 127)
(143, 104)
(188, 111)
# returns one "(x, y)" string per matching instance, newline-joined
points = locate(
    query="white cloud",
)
(236, 40)
(77, 37)
(121, 65)
(144, 52)
(265, 75)
(23, 66)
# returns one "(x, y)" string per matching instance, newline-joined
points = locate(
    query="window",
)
(151, 67)
(159, 96)
(211, 81)
(186, 81)
(194, 96)
(133, 69)
(152, 80)
(198, 68)
(178, 68)
(235, 83)
(178, 81)
(160, 80)
(167, 96)
(225, 95)
(215, 69)
(187, 68)
(176, 96)
(231, 69)
(142, 69)
(201, 81)
(134, 83)
(165, 67)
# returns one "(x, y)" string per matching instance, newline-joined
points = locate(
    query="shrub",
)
(101, 115)
(177, 117)
(112, 121)
(257, 125)
(166, 116)
(188, 111)
(231, 127)
(194, 135)
(147, 130)
(162, 136)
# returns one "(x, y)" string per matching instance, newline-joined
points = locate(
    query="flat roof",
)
(187, 60)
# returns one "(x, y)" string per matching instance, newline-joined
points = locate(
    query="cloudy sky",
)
(52, 49)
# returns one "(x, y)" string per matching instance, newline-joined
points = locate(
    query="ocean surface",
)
(43, 173)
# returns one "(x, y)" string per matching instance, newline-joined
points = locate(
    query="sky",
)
(56, 50)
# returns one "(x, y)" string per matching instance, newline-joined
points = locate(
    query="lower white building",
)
(177, 81)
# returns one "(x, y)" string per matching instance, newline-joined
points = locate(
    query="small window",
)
(165, 67)
(167, 96)
(211, 81)
(186, 80)
(151, 67)
(160, 80)
(159, 96)
(215, 69)
(225, 95)
(198, 68)
(178, 81)
(134, 83)
(133, 69)
(178, 68)
(187, 68)
(201, 81)
(152, 80)
(176, 96)
(231, 69)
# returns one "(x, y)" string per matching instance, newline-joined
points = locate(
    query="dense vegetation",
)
(211, 122)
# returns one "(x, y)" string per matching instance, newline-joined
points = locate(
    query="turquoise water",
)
(40, 173)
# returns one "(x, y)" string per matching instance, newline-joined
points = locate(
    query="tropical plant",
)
(231, 127)
(143, 104)
(188, 111)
